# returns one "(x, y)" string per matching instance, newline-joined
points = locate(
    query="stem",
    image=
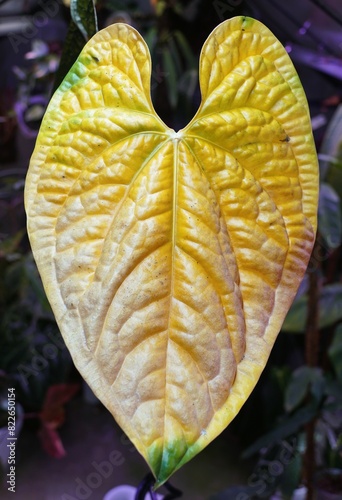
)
(312, 336)
(309, 459)
(312, 339)
(146, 486)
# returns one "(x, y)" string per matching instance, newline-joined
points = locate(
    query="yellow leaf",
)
(171, 259)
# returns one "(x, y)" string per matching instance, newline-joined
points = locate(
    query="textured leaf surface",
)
(170, 259)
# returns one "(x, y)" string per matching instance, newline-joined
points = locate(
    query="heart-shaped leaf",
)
(170, 259)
